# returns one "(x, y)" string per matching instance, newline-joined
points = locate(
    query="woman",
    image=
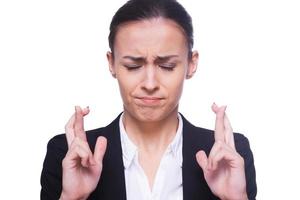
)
(150, 151)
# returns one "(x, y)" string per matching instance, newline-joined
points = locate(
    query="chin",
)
(150, 114)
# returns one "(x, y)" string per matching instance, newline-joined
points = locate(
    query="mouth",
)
(149, 100)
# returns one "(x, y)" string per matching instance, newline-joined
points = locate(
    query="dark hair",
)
(135, 10)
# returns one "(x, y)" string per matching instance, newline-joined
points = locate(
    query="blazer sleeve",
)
(243, 148)
(51, 177)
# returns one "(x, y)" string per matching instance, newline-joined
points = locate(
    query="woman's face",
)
(151, 63)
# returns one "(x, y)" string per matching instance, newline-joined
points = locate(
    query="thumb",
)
(202, 159)
(100, 149)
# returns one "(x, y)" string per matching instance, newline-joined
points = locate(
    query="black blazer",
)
(112, 182)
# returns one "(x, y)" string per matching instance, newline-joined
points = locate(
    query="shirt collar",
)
(175, 147)
(129, 149)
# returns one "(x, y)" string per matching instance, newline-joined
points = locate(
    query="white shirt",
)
(168, 179)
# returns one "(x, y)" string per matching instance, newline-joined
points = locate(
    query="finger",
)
(69, 129)
(84, 159)
(100, 149)
(229, 137)
(82, 150)
(78, 124)
(219, 124)
(75, 156)
(202, 159)
(214, 150)
(86, 111)
(214, 107)
(224, 155)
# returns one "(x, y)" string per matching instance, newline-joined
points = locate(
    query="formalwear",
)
(112, 182)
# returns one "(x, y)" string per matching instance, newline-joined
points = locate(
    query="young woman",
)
(150, 151)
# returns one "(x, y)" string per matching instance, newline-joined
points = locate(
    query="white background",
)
(52, 57)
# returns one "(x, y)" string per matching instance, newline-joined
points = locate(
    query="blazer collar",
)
(194, 184)
(112, 179)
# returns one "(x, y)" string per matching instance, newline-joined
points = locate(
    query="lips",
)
(149, 100)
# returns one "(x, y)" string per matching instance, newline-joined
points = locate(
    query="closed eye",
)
(168, 66)
(132, 67)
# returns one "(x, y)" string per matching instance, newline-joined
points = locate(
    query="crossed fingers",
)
(223, 168)
(75, 125)
(224, 146)
(76, 138)
(223, 129)
(81, 167)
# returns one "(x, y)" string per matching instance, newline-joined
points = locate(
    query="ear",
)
(110, 59)
(193, 63)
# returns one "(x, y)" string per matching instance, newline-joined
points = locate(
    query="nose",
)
(150, 82)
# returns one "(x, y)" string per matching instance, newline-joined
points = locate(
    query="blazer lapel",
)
(194, 184)
(112, 182)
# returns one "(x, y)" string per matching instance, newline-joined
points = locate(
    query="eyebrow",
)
(157, 58)
(165, 58)
(136, 59)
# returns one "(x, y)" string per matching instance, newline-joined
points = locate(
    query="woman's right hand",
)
(81, 168)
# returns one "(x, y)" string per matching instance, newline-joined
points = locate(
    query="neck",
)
(151, 136)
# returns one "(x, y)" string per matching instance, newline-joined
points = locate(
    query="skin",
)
(81, 168)
(150, 63)
(223, 169)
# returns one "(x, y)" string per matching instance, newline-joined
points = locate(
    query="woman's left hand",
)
(223, 169)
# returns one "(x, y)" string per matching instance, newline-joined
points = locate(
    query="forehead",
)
(156, 36)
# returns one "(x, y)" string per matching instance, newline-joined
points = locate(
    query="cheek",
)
(174, 86)
(127, 86)
(124, 88)
(177, 90)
